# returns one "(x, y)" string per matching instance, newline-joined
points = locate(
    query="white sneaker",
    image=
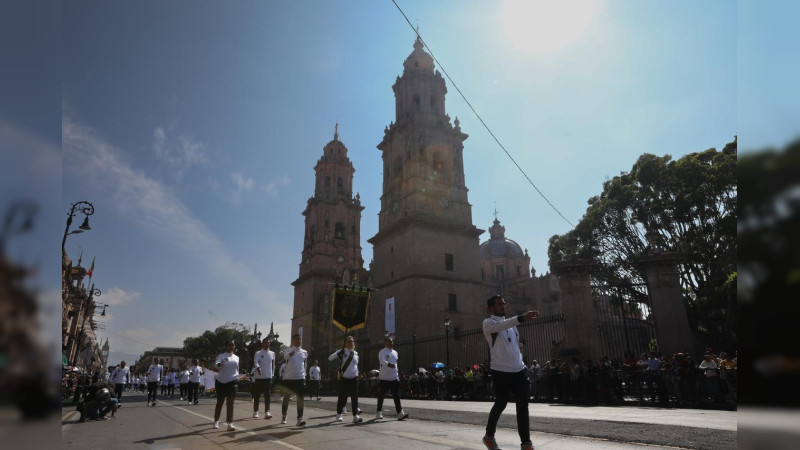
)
(357, 418)
(402, 415)
(216, 424)
(255, 415)
(231, 427)
(283, 420)
(344, 410)
(181, 398)
(301, 422)
(379, 415)
(267, 415)
(148, 403)
(338, 417)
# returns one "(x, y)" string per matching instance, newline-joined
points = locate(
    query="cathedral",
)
(429, 265)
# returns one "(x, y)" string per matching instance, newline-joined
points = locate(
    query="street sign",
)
(350, 307)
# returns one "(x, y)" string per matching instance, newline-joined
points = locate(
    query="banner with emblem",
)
(350, 307)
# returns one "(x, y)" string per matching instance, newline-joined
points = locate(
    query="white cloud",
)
(138, 334)
(150, 204)
(178, 150)
(118, 297)
(272, 187)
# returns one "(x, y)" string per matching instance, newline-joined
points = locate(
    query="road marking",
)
(430, 439)
(64, 418)
(239, 428)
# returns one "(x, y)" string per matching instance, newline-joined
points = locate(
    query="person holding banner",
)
(264, 365)
(294, 378)
(348, 374)
(226, 384)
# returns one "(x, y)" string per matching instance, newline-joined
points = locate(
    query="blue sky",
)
(194, 127)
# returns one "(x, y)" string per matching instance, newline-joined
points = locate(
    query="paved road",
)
(432, 425)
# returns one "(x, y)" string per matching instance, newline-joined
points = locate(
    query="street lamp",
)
(87, 209)
(447, 339)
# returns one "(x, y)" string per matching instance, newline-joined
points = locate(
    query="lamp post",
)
(87, 209)
(447, 340)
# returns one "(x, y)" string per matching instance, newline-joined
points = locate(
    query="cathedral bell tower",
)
(331, 246)
(426, 249)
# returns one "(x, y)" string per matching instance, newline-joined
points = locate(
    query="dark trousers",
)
(261, 385)
(183, 387)
(152, 390)
(392, 386)
(297, 387)
(347, 387)
(511, 386)
(313, 389)
(192, 391)
(118, 391)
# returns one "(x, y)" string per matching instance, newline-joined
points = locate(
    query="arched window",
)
(327, 181)
(339, 182)
(416, 100)
(398, 166)
(339, 231)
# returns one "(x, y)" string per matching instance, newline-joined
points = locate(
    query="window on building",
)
(499, 272)
(327, 181)
(339, 231)
(519, 271)
(339, 182)
(448, 261)
(452, 302)
(483, 274)
(416, 100)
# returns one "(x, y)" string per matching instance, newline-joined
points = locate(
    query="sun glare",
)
(543, 27)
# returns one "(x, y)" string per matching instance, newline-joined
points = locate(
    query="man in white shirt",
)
(195, 372)
(119, 377)
(389, 378)
(314, 375)
(264, 365)
(294, 378)
(509, 374)
(183, 382)
(348, 384)
(153, 375)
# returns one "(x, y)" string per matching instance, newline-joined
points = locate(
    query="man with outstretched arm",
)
(509, 374)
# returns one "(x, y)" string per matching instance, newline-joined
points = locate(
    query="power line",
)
(453, 83)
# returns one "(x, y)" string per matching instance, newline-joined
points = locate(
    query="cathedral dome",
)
(498, 245)
(419, 60)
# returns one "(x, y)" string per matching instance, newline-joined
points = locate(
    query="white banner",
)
(208, 379)
(390, 330)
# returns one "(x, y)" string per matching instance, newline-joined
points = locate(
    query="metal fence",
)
(467, 348)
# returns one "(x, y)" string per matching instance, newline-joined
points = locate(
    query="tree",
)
(208, 345)
(687, 206)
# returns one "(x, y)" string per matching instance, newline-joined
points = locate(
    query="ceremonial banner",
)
(350, 308)
(389, 327)
(209, 377)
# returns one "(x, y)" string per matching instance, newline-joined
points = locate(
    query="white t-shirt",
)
(385, 357)
(314, 373)
(194, 374)
(503, 338)
(351, 371)
(230, 367)
(155, 371)
(184, 376)
(295, 363)
(265, 359)
(120, 374)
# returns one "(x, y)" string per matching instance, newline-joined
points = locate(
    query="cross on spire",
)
(496, 212)
(336, 132)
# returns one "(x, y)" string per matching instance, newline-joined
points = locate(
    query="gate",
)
(625, 319)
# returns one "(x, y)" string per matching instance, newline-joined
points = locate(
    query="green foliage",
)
(208, 345)
(687, 206)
